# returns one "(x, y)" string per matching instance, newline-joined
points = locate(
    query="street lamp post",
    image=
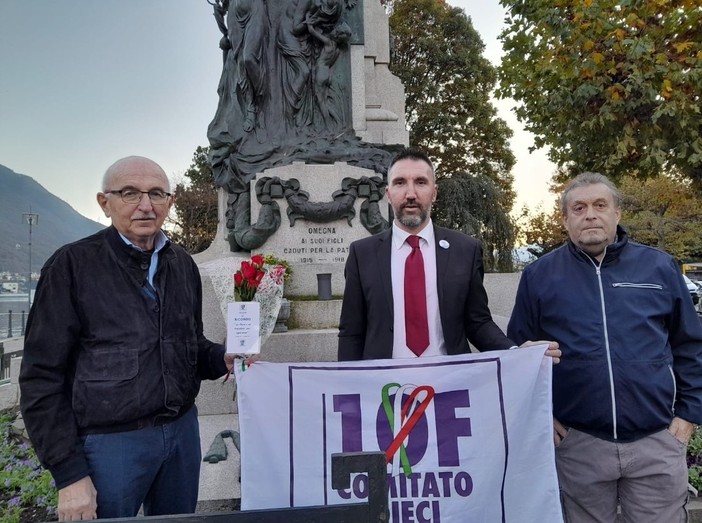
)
(30, 218)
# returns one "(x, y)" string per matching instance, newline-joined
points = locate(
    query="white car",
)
(695, 292)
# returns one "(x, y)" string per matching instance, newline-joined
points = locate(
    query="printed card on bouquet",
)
(243, 335)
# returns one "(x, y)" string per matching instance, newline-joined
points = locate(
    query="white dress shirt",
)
(399, 251)
(159, 243)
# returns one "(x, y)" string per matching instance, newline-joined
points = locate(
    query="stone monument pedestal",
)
(306, 195)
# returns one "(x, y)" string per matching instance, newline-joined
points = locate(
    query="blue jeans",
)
(156, 466)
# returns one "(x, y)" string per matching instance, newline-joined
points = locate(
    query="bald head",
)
(132, 164)
(139, 219)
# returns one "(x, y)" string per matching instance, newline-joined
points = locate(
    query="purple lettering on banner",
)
(446, 482)
(360, 486)
(343, 493)
(419, 512)
(448, 427)
(424, 485)
(463, 484)
(417, 440)
(407, 511)
(431, 488)
(414, 484)
(402, 479)
(392, 486)
(349, 405)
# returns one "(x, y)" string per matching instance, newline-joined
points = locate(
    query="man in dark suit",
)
(377, 320)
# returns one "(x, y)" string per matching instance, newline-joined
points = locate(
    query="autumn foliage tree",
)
(610, 86)
(665, 213)
(193, 222)
(438, 55)
(542, 230)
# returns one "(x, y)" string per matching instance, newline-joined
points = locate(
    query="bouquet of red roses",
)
(248, 278)
(259, 279)
(261, 283)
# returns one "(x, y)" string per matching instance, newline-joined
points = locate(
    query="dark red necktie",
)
(416, 326)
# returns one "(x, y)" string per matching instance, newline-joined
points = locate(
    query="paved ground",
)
(502, 289)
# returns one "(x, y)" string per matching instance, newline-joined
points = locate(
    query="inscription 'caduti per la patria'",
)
(322, 242)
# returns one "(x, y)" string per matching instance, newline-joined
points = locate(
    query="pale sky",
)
(85, 82)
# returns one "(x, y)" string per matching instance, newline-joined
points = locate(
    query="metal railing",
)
(6, 362)
(5, 368)
(12, 323)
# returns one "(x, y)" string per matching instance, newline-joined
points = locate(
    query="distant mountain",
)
(58, 223)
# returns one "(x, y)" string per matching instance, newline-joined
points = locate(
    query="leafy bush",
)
(26, 489)
(694, 460)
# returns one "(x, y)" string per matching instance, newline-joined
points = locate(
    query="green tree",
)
(542, 231)
(437, 54)
(194, 217)
(665, 213)
(472, 204)
(611, 86)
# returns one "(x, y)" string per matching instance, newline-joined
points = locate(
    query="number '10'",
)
(449, 427)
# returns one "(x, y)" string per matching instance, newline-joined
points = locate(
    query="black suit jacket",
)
(366, 325)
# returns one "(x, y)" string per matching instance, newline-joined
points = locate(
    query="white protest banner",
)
(468, 438)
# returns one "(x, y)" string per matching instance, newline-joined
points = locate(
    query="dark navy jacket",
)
(630, 337)
(104, 353)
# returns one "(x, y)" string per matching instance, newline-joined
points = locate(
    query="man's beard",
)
(412, 220)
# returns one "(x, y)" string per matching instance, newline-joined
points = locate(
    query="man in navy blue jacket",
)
(628, 391)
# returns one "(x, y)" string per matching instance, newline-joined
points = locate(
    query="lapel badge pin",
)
(444, 244)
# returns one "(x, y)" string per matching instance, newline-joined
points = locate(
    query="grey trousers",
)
(647, 478)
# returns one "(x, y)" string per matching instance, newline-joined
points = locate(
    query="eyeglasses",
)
(156, 196)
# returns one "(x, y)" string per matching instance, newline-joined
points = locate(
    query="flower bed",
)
(694, 460)
(27, 491)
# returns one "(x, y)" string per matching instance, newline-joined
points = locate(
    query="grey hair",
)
(585, 179)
